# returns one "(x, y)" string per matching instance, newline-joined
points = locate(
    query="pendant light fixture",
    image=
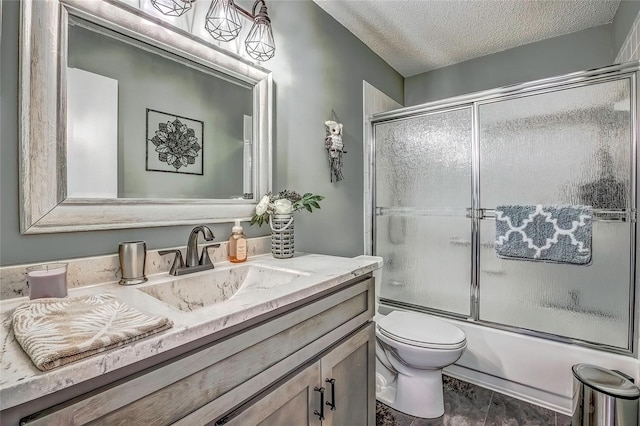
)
(173, 7)
(224, 24)
(222, 20)
(259, 43)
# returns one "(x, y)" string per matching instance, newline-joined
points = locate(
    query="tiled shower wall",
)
(629, 50)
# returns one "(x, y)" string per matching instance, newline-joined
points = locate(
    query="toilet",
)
(411, 350)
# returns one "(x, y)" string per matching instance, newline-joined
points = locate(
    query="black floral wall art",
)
(174, 143)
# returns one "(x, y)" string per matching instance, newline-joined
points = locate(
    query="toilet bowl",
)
(411, 350)
(417, 347)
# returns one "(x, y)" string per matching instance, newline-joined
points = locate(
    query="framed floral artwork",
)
(174, 143)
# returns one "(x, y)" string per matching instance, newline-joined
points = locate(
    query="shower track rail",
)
(599, 215)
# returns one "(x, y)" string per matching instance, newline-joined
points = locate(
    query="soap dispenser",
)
(237, 244)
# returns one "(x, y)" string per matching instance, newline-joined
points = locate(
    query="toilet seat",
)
(420, 330)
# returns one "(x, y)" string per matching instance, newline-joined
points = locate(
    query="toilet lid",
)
(421, 330)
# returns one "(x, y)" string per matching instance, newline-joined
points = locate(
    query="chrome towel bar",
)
(599, 215)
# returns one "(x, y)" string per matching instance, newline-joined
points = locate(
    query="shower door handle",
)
(332, 404)
(456, 242)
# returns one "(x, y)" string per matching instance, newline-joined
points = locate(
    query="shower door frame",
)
(631, 71)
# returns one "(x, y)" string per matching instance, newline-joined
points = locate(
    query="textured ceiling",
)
(415, 36)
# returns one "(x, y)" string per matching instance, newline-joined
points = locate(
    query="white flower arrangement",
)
(284, 202)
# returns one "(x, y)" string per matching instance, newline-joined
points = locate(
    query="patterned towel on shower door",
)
(558, 234)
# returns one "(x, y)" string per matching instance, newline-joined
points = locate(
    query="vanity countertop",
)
(21, 381)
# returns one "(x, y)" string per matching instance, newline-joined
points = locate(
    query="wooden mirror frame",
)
(44, 206)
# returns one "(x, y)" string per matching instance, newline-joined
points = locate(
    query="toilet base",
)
(385, 392)
(419, 395)
(385, 383)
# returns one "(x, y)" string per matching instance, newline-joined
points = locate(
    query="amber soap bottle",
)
(237, 244)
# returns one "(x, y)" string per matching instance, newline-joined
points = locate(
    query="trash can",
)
(603, 397)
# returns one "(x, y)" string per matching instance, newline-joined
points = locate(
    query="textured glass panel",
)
(427, 261)
(425, 162)
(584, 302)
(564, 147)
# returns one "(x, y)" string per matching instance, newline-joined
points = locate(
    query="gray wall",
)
(590, 48)
(148, 80)
(622, 22)
(319, 66)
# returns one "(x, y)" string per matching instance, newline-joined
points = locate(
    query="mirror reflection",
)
(144, 123)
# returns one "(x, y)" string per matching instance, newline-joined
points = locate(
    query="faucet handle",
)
(177, 261)
(204, 257)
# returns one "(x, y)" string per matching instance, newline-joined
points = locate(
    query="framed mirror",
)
(128, 122)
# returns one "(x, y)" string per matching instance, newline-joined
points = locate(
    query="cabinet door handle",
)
(332, 404)
(320, 414)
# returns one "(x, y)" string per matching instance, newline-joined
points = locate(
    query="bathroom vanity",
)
(296, 347)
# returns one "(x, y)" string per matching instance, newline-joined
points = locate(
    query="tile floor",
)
(466, 404)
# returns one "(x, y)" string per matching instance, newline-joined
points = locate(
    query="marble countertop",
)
(21, 381)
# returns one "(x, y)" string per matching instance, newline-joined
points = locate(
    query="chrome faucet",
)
(194, 262)
(193, 258)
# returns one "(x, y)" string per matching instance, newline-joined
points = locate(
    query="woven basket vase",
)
(282, 246)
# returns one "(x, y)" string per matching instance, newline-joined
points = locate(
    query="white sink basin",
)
(189, 293)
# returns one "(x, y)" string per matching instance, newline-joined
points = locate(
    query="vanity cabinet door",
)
(348, 376)
(291, 403)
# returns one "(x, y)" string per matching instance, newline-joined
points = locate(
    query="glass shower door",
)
(570, 146)
(422, 191)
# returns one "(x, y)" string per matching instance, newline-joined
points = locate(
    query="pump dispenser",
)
(237, 244)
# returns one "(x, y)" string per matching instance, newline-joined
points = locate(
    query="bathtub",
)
(528, 368)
